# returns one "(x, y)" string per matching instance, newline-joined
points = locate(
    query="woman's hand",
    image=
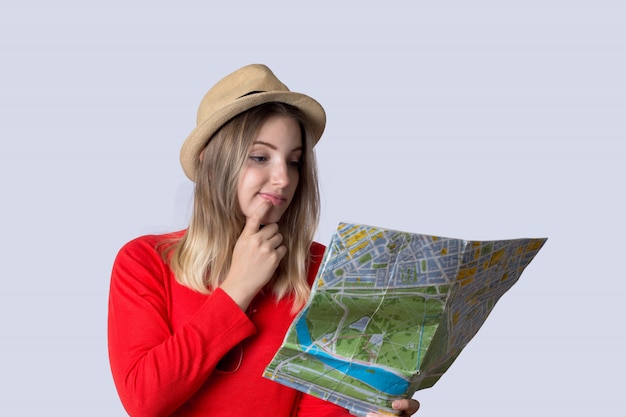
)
(407, 406)
(256, 256)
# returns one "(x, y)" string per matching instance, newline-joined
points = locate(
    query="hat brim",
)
(199, 137)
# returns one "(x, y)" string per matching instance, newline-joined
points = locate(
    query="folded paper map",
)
(390, 311)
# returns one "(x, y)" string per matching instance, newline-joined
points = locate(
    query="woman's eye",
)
(296, 163)
(256, 158)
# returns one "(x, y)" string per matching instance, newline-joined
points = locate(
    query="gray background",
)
(470, 119)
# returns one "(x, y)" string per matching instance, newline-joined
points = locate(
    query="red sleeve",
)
(156, 370)
(310, 406)
(317, 256)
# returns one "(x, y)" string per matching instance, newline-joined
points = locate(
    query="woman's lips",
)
(275, 199)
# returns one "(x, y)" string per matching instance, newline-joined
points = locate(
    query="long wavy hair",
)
(201, 258)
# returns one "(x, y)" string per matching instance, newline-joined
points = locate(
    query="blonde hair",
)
(201, 259)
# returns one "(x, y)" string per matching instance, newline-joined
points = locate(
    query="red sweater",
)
(165, 341)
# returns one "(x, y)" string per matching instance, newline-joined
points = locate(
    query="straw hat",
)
(237, 92)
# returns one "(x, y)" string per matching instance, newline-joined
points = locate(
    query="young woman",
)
(195, 316)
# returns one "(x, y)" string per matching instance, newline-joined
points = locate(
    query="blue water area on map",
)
(380, 379)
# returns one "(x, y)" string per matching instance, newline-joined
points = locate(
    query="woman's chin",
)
(272, 217)
(270, 220)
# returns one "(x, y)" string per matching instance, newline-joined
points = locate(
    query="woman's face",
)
(272, 169)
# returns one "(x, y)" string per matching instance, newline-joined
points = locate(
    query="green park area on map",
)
(390, 311)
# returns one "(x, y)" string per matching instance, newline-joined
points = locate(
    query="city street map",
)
(390, 311)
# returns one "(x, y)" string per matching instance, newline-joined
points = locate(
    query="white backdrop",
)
(472, 119)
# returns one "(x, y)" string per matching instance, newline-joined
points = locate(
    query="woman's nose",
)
(280, 174)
